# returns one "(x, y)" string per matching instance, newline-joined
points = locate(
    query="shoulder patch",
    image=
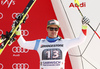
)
(37, 44)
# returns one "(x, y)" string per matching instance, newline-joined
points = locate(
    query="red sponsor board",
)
(15, 57)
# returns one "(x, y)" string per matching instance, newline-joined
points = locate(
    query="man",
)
(53, 49)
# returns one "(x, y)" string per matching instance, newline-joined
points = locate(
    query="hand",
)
(2, 38)
(85, 20)
(15, 23)
(18, 31)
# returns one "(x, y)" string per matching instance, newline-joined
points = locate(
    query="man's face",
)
(52, 31)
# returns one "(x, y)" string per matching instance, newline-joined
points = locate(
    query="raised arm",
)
(77, 41)
(21, 41)
(26, 44)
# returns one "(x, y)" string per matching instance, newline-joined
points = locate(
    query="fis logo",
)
(20, 66)
(8, 2)
(1, 15)
(83, 4)
(1, 66)
(18, 49)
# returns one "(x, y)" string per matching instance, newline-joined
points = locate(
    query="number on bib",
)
(51, 54)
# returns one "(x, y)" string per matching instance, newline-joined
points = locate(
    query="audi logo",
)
(25, 32)
(1, 15)
(16, 14)
(1, 32)
(20, 66)
(1, 66)
(18, 49)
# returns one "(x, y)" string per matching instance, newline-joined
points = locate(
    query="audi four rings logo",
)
(1, 15)
(1, 32)
(1, 66)
(20, 66)
(25, 32)
(19, 50)
(16, 14)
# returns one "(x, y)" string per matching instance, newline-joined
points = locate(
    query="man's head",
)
(53, 28)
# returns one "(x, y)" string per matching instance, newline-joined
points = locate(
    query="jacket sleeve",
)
(26, 44)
